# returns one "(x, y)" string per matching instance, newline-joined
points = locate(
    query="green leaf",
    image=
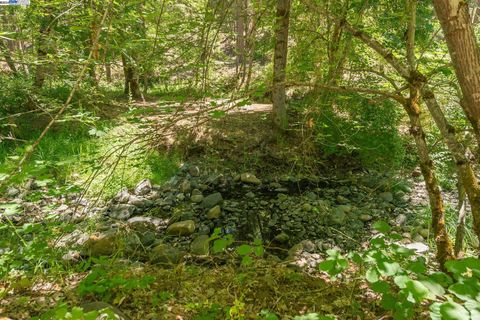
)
(247, 260)
(381, 226)
(219, 245)
(417, 291)
(372, 275)
(388, 269)
(380, 287)
(464, 291)
(401, 281)
(453, 311)
(244, 250)
(326, 265)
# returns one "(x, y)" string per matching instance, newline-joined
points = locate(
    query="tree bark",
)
(442, 240)
(465, 168)
(8, 58)
(280, 64)
(132, 81)
(460, 37)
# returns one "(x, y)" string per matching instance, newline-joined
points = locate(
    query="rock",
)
(196, 192)
(400, 220)
(386, 196)
(142, 224)
(139, 202)
(104, 309)
(418, 238)
(121, 211)
(194, 171)
(424, 233)
(143, 188)
(282, 237)
(182, 228)
(212, 200)
(214, 213)
(165, 254)
(250, 195)
(103, 244)
(197, 198)
(365, 217)
(185, 186)
(419, 247)
(123, 196)
(180, 197)
(338, 216)
(307, 207)
(250, 178)
(342, 200)
(200, 246)
(204, 230)
(12, 192)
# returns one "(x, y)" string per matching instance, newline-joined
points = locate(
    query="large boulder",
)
(182, 228)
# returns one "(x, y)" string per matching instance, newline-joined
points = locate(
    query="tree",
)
(280, 63)
(460, 37)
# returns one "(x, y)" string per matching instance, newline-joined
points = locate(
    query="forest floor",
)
(234, 174)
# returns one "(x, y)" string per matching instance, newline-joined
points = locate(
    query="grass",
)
(76, 153)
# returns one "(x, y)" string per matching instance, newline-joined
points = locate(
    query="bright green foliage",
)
(403, 281)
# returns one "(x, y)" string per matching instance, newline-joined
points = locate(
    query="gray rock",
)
(121, 211)
(307, 207)
(342, 200)
(365, 217)
(197, 198)
(12, 192)
(185, 186)
(143, 188)
(282, 237)
(123, 196)
(182, 228)
(142, 224)
(200, 246)
(196, 192)
(250, 178)
(339, 215)
(165, 254)
(101, 244)
(212, 200)
(250, 195)
(139, 201)
(386, 196)
(424, 233)
(194, 171)
(400, 220)
(214, 213)
(106, 310)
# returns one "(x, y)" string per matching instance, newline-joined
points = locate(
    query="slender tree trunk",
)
(460, 233)
(465, 168)
(442, 240)
(240, 14)
(460, 37)
(108, 72)
(41, 70)
(8, 58)
(280, 64)
(132, 83)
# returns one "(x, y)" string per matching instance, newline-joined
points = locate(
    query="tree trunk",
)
(442, 240)
(132, 85)
(280, 64)
(460, 37)
(41, 70)
(108, 72)
(465, 168)
(240, 14)
(8, 58)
